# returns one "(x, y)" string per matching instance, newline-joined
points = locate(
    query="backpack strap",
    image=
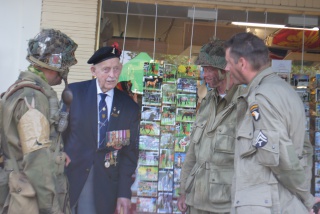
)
(11, 90)
(21, 84)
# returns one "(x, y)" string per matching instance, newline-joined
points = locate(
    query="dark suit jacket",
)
(81, 145)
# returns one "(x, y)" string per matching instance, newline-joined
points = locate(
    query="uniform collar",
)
(229, 94)
(28, 75)
(256, 81)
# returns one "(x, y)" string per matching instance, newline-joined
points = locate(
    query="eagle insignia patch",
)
(255, 112)
(261, 140)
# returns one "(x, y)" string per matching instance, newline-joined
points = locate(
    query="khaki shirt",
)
(207, 171)
(270, 174)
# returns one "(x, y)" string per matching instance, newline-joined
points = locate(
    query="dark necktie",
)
(103, 121)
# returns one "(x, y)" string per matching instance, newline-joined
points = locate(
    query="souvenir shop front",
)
(162, 39)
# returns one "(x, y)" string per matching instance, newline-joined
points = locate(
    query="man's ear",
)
(93, 71)
(242, 62)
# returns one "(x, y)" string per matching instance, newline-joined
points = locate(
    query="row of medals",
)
(111, 157)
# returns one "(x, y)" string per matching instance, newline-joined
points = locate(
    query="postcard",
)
(148, 173)
(147, 188)
(186, 85)
(149, 142)
(151, 98)
(149, 158)
(182, 143)
(169, 92)
(186, 100)
(150, 113)
(166, 158)
(167, 141)
(169, 74)
(164, 203)
(148, 205)
(189, 71)
(178, 159)
(165, 182)
(168, 116)
(149, 128)
(185, 115)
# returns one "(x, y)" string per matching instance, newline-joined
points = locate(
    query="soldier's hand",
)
(182, 203)
(316, 207)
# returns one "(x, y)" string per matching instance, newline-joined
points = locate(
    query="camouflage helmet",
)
(212, 54)
(53, 50)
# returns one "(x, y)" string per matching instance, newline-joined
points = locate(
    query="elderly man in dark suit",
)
(102, 139)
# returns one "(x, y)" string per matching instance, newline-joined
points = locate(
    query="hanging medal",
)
(115, 154)
(111, 158)
(107, 160)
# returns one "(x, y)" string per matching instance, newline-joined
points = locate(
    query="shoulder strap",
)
(11, 90)
(21, 84)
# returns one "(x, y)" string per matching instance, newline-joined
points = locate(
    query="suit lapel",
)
(92, 110)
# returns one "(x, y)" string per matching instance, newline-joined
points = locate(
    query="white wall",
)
(19, 21)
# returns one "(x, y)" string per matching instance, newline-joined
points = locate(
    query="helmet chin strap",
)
(223, 77)
(220, 75)
(228, 81)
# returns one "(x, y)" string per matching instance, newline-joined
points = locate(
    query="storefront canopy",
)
(293, 39)
(133, 70)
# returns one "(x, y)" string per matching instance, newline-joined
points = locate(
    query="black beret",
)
(105, 53)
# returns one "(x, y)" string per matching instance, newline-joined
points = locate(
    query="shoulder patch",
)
(254, 109)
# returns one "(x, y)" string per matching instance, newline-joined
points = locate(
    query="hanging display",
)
(167, 113)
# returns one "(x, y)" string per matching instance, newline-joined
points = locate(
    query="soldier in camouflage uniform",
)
(207, 171)
(30, 117)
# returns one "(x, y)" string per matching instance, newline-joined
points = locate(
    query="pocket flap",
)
(201, 124)
(190, 178)
(254, 196)
(197, 131)
(19, 183)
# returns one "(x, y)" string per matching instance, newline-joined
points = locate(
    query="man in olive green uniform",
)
(207, 171)
(30, 120)
(271, 151)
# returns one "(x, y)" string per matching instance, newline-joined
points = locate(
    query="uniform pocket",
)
(220, 186)
(267, 144)
(256, 199)
(190, 179)
(245, 137)
(197, 131)
(224, 145)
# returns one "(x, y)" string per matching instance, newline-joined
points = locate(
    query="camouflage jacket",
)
(40, 166)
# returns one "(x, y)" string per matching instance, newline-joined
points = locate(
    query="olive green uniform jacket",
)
(43, 171)
(271, 155)
(207, 171)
